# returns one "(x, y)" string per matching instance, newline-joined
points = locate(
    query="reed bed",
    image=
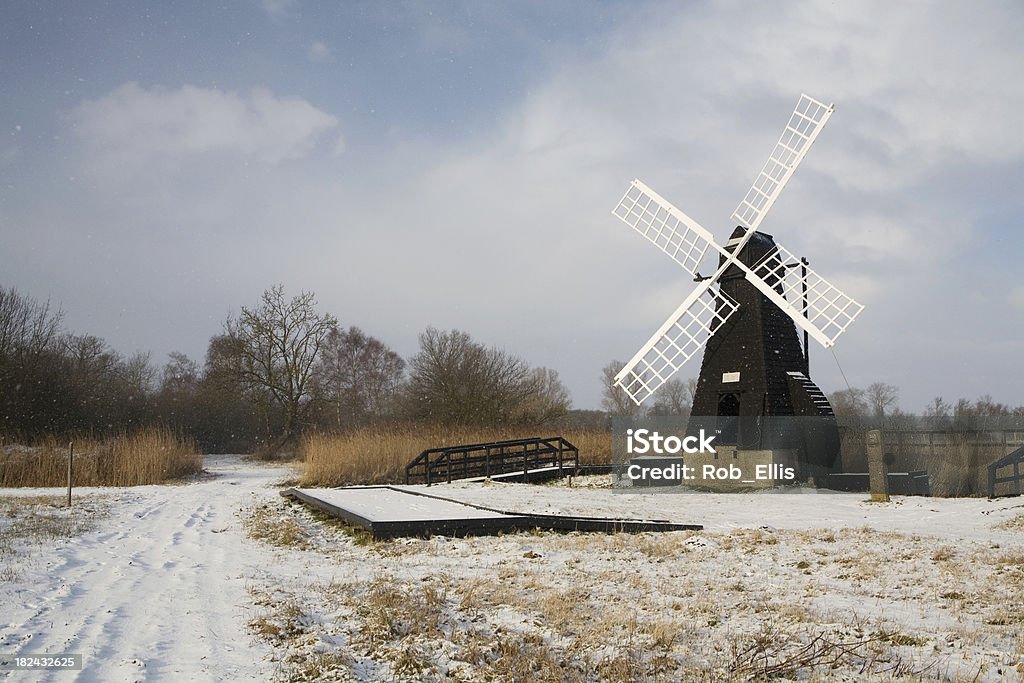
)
(379, 454)
(148, 456)
(956, 461)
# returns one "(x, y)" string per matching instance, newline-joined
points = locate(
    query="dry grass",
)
(747, 604)
(269, 524)
(954, 475)
(956, 461)
(280, 621)
(149, 456)
(1012, 524)
(379, 454)
(27, 521)
(283, 623)
(548, 634)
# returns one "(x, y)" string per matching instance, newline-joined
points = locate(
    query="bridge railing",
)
(527, 456)
(1013, 461)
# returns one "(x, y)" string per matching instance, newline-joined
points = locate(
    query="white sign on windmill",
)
(814, 304)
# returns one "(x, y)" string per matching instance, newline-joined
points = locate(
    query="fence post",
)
(71, 459)
(878, 475)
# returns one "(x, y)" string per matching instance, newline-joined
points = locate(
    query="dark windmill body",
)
(754, 389)
(754, 378)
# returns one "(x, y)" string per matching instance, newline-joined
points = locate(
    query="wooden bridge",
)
(524, 460)
(1015, 462)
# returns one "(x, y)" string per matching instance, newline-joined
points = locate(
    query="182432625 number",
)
(11, 662)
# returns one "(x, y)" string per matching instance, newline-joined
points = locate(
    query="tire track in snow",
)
(161, 595)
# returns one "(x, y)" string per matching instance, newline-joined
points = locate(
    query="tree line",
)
(277, 368)
(881, 400)
(877, 400)
(281, 366)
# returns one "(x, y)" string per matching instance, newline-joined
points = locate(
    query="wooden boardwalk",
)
(390, 512)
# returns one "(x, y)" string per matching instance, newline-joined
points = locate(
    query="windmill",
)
(746, 312)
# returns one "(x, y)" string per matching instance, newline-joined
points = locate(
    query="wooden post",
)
(71, 459)
(878, 474)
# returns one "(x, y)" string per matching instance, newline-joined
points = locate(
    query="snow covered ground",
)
(155, 591)
(221, 579)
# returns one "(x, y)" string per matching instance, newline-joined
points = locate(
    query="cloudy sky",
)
(455, 164)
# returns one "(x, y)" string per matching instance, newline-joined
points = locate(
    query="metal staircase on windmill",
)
(745, 313)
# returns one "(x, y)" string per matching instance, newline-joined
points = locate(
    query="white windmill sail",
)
(671, 230)
(803, 127)
(829, 310)
(824, 311)
(685, 333)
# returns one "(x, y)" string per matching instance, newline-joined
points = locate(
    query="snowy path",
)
(159, 590)
(158, 593)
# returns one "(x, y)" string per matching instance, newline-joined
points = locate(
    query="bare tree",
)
(176, 399)
(937, 408)
(229, 414)
(27, 327)
(134, 387)
(614, 398)
(90, 357)
(849, 402)
(180, 374)
(137, 373)
(277, 343)
(985, 406)
(548, 400)
(454, 379)
(358, 375)
(675, 397)
(33, 394)
(881, 396)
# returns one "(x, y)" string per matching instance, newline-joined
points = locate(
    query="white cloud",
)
(318, 52)
(508, 233)
(340, 144)
(133, 125)
(1017, 297)
(917, 101)
(276, 8)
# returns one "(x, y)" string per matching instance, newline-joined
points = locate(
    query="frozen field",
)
(221, 579)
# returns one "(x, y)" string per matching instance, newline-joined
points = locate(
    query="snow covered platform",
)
(390, 511)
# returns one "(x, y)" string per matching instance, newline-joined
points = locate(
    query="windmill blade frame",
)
(806, 121)
(829, 310)
(684, 240)
(825, 311)
(678, 340)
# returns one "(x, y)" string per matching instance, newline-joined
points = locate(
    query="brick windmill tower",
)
(754, 388)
